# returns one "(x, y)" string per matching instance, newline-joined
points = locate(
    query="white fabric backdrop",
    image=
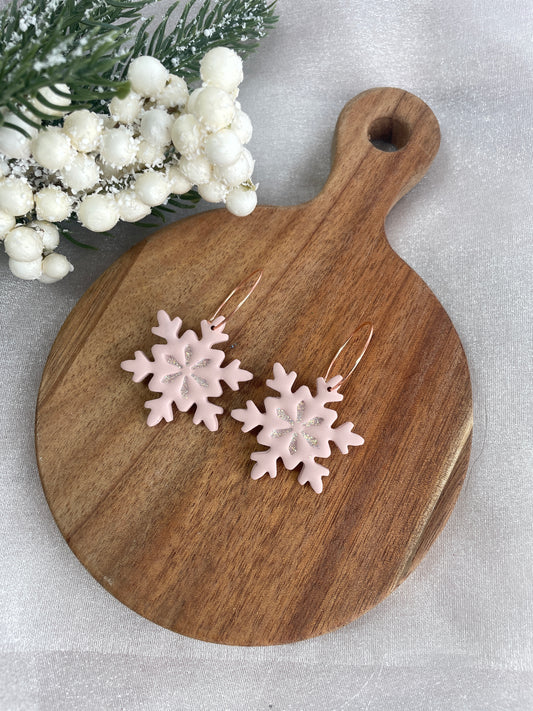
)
(458, 633)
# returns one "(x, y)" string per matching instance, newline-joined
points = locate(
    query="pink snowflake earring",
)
(297, 426)
(187, 370)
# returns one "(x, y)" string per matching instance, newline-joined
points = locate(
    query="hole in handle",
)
(388, 134)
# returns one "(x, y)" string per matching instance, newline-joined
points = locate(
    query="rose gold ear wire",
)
(238, 288)
(337, 354)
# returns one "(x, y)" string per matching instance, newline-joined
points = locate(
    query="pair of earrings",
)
(296, 426)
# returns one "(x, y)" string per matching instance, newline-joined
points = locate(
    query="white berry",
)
(149, 154)
(222, 67)
(44, 279)
(214, 108)
(14, 144)
(197, 169)
(191, 101)
(84, 128)
(147, 76)
(223, 148)
(238, 172)
(127, 109)
(152, 188)
(81, 174)
(49, 95)
(24, 244)
(155, 127)
(55, 267)
(214, 191)
(242, 126)
(48, 232)
(98, 213)
(7, 222)
(131, 208)
(241, 202)
(177, 181)
(52, 149)
(26, 270)
(118, 147)
(52, 204)
(16, 196)
(175, 93)
(187, 135)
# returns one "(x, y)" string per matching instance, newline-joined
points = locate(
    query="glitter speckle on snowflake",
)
(186, 370)
(297, 427)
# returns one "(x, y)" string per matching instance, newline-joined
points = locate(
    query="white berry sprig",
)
(158, 141)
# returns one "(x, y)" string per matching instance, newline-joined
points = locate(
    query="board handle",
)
(385, 141)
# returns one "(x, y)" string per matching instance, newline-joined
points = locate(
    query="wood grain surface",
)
(167, 518)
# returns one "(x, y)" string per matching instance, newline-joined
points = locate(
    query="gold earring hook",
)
(238, 288)
(337, 354)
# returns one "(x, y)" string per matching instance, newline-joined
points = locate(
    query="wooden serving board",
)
(167, 518)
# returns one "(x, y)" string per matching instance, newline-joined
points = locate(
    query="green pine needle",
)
(44, 43)
(187, 201)
(67, 234)
(88, 44)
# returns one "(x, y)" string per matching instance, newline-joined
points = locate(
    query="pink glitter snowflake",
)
(297, 427)
(186, 371)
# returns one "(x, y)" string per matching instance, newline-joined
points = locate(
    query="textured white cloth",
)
(458, 633)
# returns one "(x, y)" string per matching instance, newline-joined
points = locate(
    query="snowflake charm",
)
(186, 371)
(297, 427)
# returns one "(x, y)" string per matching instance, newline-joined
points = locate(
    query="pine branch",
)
(75, 42)
(238, 24)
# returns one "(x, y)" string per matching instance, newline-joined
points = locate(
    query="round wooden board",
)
(167, 518)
